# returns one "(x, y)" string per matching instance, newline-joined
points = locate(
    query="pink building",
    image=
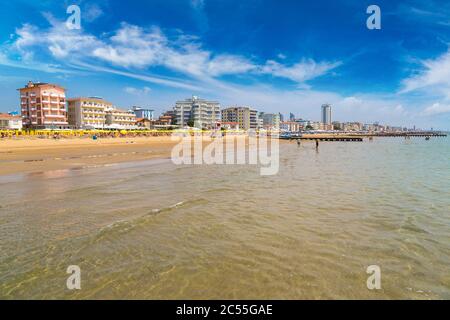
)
(43, 106)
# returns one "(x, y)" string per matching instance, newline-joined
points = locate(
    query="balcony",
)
(57, 116)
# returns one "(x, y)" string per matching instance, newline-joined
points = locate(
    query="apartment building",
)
(120, 119)
(201, 113)
(43, 106)
(10, 122)
(271, 121)
(88, 112)
(143, 113)
(290, 126)
(246, 117)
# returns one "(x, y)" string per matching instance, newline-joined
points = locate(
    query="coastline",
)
(32, 155)
(29, 154)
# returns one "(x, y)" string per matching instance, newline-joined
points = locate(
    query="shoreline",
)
(35, 155)
(30, 155)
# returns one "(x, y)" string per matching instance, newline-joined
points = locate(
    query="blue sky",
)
(280, 56)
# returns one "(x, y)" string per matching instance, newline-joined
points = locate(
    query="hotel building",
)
(204, 114)
(120, 119)
(43, 106)
(144, 113)
(88, 113)
(290, 126)
(271, 121)
(246, 117)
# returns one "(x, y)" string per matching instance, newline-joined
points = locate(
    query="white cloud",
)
(91, 12)
(305, 70)
(435, 74)
(138, 92)
(143, 48)
(436, 109)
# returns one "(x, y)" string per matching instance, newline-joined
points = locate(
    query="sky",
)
(273, 55)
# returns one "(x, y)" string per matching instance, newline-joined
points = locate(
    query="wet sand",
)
(32, 155)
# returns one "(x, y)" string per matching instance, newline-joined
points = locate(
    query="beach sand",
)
(34, 155)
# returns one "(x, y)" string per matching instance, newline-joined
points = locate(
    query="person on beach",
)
(317, 144)
(299, 143)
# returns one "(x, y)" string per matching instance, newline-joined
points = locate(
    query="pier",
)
(359, 137)
(411, 134)
(324, 138)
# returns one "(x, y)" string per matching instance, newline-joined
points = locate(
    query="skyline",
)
(287, 58)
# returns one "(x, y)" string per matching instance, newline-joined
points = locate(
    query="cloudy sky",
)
(279, 56)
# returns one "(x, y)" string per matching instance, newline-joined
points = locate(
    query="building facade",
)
(201, 113)
(43, 106)
(271, 121)
(290, 126)
(10, 122)
(144, 113)
(120, 119)
(88, 113)
(245, 117)
(326, 114)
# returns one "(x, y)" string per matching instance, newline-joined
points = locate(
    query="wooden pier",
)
(359, 137)
(334, 139)
(412, 134)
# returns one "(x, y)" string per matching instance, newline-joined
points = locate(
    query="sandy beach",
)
(33, 155)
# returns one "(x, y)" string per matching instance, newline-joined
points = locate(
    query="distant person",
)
(299, 143)
(317, 144)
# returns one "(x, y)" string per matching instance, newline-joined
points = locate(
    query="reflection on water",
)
(154, 230)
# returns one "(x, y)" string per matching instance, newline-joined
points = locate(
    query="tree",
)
(191, 123)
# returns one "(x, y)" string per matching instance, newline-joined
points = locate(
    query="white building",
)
(10, 122)
(271, 121)
(120, 119)
(326, 114)
(201, 113)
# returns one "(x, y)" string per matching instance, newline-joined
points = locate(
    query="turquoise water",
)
(153, 230)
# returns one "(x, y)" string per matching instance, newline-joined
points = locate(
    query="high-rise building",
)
(246, 117)
(43, 106)
(281, 117)
(201, 113)
(326, 114)
(89, 112)
(144, 113)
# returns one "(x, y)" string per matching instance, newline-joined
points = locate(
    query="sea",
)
(156, 230)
